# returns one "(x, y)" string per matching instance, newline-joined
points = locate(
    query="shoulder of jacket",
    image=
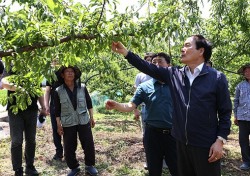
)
(241, 84)
(83, 86)
(218, 73)
(177, 70)
(59, 88)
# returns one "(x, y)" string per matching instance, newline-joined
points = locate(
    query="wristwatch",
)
(224, 141)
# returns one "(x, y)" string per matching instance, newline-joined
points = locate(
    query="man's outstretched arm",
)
(122, 107)
(159, 73)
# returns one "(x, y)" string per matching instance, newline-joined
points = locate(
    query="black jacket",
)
(201, 111)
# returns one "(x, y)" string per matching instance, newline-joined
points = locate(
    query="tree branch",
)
(238, 53)
(87, 80)
(103, 6)
(10, 52)
(169, 47)
(220, 68)
(97, 74)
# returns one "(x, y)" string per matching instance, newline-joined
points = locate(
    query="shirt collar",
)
(197, 69)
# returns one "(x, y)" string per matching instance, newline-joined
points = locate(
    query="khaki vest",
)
(69, 116)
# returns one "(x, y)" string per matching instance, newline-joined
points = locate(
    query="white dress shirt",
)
(191, 76)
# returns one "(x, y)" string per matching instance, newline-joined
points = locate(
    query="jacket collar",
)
(202, 67)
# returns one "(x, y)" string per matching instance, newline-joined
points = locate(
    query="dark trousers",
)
(193, 161)
(159, 145)
(22, 123)
(244, 132)
(57, 139)
(70, 145)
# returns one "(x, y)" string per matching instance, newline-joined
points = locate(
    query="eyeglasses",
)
(159, 61)
(149, 53)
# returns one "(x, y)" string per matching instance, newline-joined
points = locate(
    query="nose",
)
(182, 50)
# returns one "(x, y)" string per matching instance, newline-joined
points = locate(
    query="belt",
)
(161, 130)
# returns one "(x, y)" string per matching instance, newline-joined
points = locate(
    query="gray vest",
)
(69, 116)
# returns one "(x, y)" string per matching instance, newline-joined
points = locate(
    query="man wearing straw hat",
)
(72, 101)
(242, 114)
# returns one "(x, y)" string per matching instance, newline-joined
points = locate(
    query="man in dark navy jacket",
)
(202, 106)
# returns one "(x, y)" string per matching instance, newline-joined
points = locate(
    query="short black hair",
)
(164, 55)
(148, 54)
(202, 42)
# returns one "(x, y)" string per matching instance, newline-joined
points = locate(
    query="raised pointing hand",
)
(118, 47)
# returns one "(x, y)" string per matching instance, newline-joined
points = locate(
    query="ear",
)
(201, 50)
(62, 75)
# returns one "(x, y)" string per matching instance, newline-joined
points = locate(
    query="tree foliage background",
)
(81, 34)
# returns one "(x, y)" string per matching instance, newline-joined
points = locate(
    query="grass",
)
(118, 147)
(3, 95)
(119, 150)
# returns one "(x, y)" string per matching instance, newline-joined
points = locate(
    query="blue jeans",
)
(57, 139)
(22, 123)
(244, 132)
(158, 146)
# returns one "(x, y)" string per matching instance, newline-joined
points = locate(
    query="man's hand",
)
(92, 122)
(47, 109)
(43, 112)
(236, 121)
(137, 114)
(59, 129)
(110, 104)
(118, 47)
(216, 151)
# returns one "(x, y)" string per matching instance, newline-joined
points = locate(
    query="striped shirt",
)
(242, 101)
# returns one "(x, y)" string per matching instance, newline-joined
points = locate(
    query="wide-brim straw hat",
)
(242, 68)
(77, 71)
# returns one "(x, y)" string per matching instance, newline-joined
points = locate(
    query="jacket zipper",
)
(189, 93)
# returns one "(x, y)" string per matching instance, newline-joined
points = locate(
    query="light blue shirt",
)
(242, 101)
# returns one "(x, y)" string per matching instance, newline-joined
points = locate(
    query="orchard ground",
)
(119, 149)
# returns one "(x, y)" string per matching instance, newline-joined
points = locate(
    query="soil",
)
(115, 149)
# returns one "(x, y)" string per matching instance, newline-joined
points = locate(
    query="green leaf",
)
(51, 4)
